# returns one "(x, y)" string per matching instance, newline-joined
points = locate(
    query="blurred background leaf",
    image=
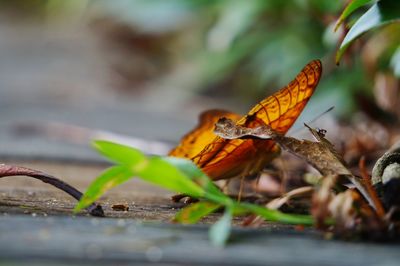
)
(380, 14)
(350, 8)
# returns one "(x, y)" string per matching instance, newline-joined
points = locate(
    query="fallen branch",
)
(12, 170)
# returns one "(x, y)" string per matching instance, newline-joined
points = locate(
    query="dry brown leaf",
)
(320, 201)
(321, 154)
(366, 180)
(354, 212)
(351, 214)
(295, 193)
(277, 203)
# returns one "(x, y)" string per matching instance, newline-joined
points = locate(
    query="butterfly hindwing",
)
(195, 141)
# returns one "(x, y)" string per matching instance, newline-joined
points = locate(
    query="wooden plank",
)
(49, 235)
(122, 241)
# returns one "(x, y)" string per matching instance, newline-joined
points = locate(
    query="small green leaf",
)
(110, 178)
(277, 216)
(380, 14)
(119, 153)
(350, 8)
(194, 212)
(220, 231)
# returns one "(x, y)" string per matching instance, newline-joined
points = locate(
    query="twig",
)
(12, 170)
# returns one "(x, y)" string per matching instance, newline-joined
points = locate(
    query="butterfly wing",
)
(195, 141)
(228, 158)
(281, 109)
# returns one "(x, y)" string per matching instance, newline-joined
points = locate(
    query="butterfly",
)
(224, 159)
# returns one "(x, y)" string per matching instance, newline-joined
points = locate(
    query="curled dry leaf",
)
(350, 213)
(320, 200)
(356, 211)
(367, 182)
(295, 193)
(277, 203)
(321, 154)
(342, 209)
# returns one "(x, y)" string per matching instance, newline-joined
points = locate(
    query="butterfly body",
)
(223, 158)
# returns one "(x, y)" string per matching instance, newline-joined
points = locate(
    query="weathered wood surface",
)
(24, 195)
(81, 240)
(48, 234)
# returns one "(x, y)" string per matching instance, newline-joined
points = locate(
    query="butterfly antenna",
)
(322, 114)
(297, 130)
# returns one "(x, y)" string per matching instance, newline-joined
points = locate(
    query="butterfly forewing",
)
(281, 109)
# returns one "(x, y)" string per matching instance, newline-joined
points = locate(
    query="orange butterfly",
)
(221, 158)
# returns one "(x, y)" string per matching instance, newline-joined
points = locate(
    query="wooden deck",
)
(37, 228)
(63, 240)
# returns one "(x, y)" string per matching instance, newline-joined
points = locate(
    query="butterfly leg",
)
(225, 186)
(256, 189)
(246, 171)
(283, 175)
(239, 198)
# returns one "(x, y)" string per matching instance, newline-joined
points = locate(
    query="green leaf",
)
(185, 166)
(277, 216)
(212, 192)
(162, 173)
(220, 231)
(110, 178)
(350, 8)
(380, 14)
(194, 212)
(155, 169)
(135, 163)
(119, 153)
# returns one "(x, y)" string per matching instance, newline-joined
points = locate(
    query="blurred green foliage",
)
(243, 50)
(380, 14)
